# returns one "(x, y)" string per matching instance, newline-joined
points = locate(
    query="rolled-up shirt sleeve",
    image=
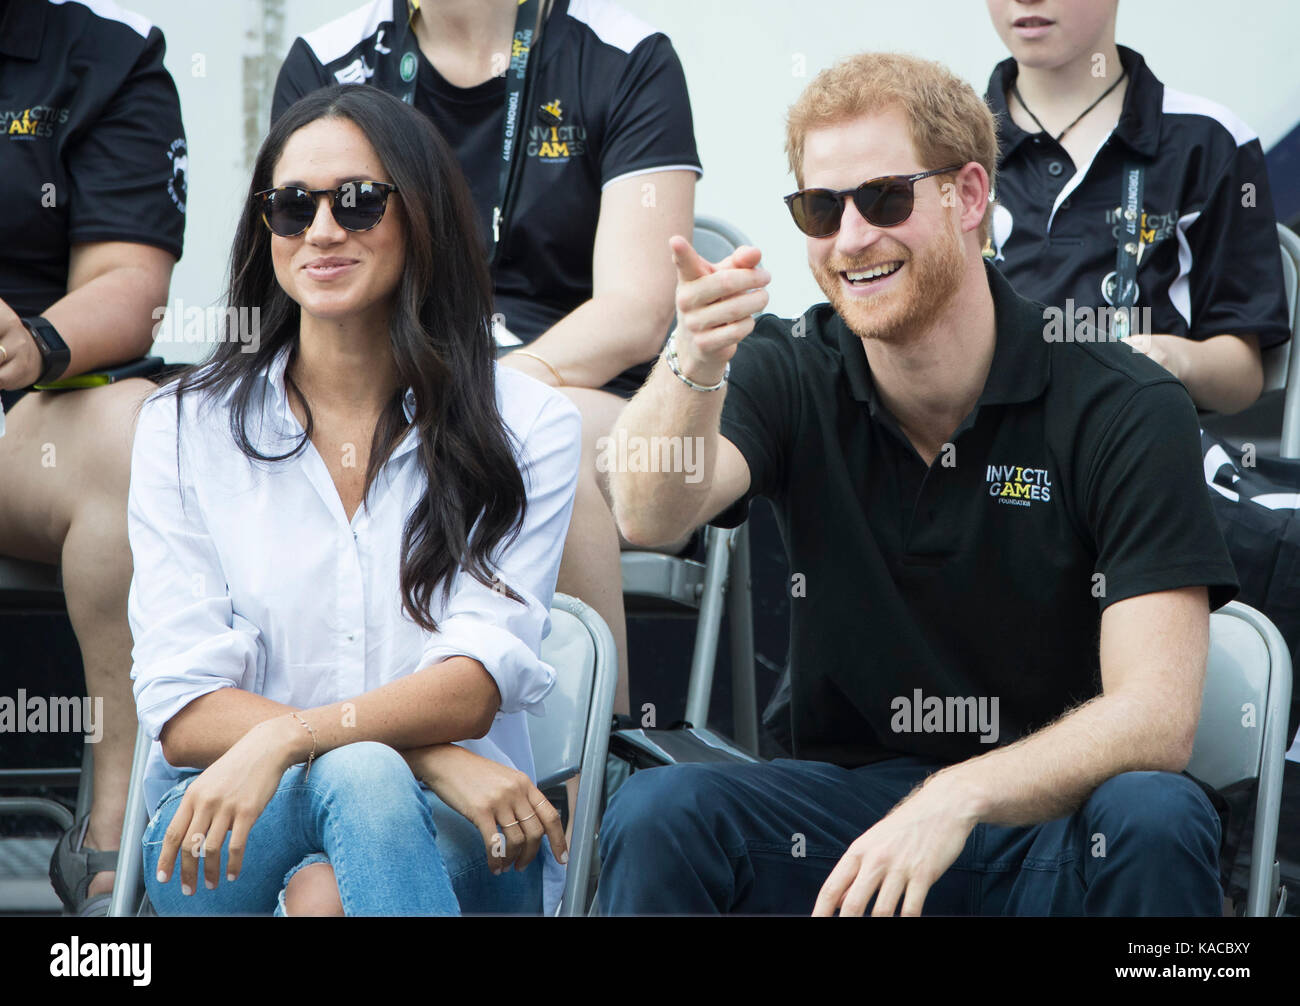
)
(188, 640)
(487, 625)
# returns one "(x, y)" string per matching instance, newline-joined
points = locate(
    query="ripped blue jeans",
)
(394, 846)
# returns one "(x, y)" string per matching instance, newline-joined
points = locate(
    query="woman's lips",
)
(327, 269)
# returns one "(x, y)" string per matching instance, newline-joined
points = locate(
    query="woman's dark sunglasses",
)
(884, 202)
(357, 206)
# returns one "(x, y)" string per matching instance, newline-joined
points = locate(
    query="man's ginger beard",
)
(929, 283)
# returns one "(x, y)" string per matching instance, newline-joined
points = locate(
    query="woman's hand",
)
(227, 797)
(492, 796)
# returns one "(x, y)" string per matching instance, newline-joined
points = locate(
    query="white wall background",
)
(742, 60)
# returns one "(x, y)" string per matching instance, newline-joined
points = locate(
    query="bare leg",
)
(66, 464)
(313, 891)
(590, 568)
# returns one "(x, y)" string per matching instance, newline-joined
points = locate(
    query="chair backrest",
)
(1280, 375)
(574, 733)
(1230, 737)
(1290, 242)
(557, 738)
(715, 239)
(1277, 360)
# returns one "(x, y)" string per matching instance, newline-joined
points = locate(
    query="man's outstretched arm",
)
(1154, 649)
(715, 304)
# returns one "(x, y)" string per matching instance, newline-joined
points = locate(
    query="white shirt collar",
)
(287, 421)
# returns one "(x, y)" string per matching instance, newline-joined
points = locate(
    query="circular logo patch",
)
(178, 184)
(407, 68)
(1108, 292)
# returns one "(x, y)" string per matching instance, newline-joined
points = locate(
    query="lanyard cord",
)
(530, 18)
(1015, 90)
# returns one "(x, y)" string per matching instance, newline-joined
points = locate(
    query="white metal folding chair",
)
(1242, 732)
(572, 737)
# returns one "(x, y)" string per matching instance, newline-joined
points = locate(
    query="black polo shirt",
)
(1212, 263)
(93, 147)
(1075, 482)
(609, 103)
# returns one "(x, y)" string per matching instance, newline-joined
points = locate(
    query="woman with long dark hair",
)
(346, 541)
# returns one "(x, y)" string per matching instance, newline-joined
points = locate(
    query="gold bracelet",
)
(311, 757)
(544, 363)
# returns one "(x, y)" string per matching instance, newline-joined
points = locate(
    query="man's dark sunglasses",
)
(357, 206)
(884, 202)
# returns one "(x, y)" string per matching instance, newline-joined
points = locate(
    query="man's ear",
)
(968, 189)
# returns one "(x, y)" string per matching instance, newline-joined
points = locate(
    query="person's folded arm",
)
(106, 318)
(627, 318)
(115, 291)
(1224, 373)
(1230, 291)
(125, 204)
(482, 659)
(197, 663)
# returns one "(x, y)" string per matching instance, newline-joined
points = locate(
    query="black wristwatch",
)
(55, 354)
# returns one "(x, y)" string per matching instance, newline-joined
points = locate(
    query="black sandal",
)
(73, 865)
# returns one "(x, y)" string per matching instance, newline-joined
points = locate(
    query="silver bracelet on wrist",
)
(675, 366)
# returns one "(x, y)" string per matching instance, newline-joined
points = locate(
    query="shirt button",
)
(1054, 168)
(1065, 205)
(351, 636)
(1038, 139)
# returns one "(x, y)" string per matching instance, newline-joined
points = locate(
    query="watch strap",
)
(55, 355)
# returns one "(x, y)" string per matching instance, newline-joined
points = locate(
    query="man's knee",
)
(660, 802)
(313, 891)
(1154, 812)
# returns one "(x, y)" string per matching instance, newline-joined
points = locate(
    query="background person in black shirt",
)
(973, 514)
(1074, 110)
(608, 174)
(94, 162)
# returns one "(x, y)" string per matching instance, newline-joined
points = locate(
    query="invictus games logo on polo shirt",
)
(553, 142)
(32, 123)
(1018, 485)
(1154, 228)
(178, 185)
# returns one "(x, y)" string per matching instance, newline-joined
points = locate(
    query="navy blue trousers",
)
(762, 838)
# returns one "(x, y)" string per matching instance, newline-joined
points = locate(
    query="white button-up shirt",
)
(249, 575)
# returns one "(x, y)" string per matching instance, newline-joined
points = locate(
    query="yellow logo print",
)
(24, 126)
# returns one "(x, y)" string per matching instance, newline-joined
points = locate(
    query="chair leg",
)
(128, 882)
(86, 784)
(700, 688)
(740, 616)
